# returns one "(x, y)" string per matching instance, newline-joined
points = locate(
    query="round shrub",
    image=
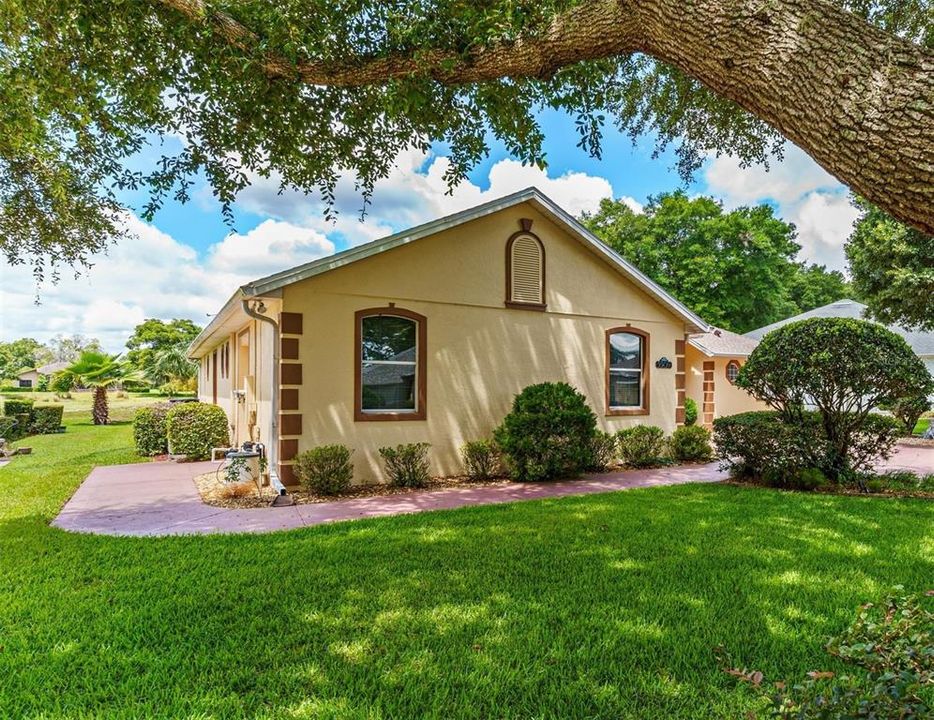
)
(193, 429)
(407, 465)
(149, 430)
(481, 459)
(690, 411)
(326, 470)
(642, 445)
(691, 443)
(548, 433)
(845, 368)
(602, 451)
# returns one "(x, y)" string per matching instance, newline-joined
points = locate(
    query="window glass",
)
(732, 371)
(388, 373)
(625, 370)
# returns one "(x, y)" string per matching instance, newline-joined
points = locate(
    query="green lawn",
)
(603, 606)
(122, 405)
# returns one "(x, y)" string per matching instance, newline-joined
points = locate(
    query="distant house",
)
(29, 378)
(713, 360)
(921, 342)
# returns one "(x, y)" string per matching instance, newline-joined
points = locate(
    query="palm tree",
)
(172, 363)
(97, 371)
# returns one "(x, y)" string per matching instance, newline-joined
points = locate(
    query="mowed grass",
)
(607, 606)
(79, 404)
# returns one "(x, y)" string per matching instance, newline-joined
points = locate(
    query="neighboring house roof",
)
(921, 342)
(48, 369)
(272, 284)
(723, 343)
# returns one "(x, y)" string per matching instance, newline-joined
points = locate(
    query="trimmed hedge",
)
(407, 465)
(548, 433)
(691, 443)
(17, 406)
(149, 430)
(46, 419)
(326, 470)
(642, 445)
(193, 429)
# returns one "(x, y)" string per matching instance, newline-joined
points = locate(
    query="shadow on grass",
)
(604, 606)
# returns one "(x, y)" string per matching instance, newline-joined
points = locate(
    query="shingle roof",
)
(921, 342)
(723, 343)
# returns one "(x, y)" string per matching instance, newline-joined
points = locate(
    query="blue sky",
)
(187, 262)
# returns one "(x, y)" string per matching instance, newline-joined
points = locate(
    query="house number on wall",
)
(663, 363)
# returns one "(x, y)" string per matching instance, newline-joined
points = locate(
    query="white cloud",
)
(149, 275)
(804, 193)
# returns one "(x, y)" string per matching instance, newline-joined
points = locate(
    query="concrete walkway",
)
(161, 499)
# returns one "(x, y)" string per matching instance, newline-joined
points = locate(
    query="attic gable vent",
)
(525, 271)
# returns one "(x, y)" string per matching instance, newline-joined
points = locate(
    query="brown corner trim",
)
(290, 323)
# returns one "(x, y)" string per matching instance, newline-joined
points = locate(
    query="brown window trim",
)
(421, 367)
(646, 380)
(515, 304)
(726, 369)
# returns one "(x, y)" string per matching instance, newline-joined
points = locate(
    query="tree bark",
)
(100, 412)
(858, 100)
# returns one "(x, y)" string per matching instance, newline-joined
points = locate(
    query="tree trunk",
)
(100, 412)
(858, 100)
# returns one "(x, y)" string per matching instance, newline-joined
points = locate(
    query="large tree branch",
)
(858, 100)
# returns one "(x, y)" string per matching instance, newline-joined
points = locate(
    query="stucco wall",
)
(728, 398)
(479, 353)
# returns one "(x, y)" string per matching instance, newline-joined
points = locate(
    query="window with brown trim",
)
(627, 371)
(525, 271)
(390, 364)
(732, 371)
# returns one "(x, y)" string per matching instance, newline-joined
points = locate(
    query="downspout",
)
(253, 312)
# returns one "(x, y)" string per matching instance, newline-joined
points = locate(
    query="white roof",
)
(921, 342)
(273, 284)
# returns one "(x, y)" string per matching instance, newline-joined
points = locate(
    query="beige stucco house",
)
(427, 335)
(29, 377)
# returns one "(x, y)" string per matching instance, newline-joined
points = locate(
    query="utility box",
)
(248, 463)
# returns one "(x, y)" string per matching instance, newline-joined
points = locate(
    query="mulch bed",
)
(214, 492)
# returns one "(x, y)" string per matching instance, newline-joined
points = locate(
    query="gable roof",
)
(274, 283)
(48, 369)
(921, 342)
(723, 343)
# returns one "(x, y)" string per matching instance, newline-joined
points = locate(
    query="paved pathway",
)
(161, 498)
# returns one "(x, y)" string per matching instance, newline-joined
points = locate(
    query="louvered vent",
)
(527, 273)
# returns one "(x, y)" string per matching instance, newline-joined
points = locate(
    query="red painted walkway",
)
(161, 498)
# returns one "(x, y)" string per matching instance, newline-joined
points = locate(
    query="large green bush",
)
(843, 367)
(326, 470)
(763, 445)
(641, 445)
(407, 465)
(17, 406)
(691, 443)
(548, 433)
(8, 428)
(149, 429)
(46, 419)
(193, 429)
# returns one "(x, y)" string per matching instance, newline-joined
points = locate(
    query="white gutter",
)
(250, 309)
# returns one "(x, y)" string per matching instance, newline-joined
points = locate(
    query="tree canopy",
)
(22, 354)
(308, 91)
(736, 269)
(893, 268)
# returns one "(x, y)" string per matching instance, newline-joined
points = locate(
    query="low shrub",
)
(602, 451)
(407, 465)
(873, 441)
(753, 443)
(8, 429)
(234, 490)
(642, 445)
(908, 410)
(481, 459)
(149, 430)
(902, 481)
(690, 411)
(326, 470)
(46, 419)
(192, 429)
(691, 443)
(890, 647)
(17, 406)
(547, 434)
